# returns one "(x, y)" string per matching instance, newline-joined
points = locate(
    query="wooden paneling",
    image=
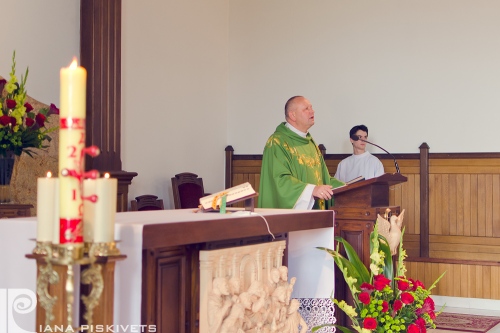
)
(463, 194)
(460, 280)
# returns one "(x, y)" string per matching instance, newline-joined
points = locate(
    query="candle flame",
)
(106, 175)
(49, 174)
(74, 63)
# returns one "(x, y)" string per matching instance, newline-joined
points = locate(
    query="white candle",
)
(88, 210)
(105, 209)
(71, 144)
(45, 207)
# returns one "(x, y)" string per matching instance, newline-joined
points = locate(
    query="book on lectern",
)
(233, 194)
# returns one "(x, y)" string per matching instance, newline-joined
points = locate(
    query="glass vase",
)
(6, 169)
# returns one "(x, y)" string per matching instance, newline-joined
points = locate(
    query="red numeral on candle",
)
(82, 138)
(72, 153)
(74, 195)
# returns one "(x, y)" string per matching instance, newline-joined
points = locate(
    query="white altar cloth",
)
(18, 272)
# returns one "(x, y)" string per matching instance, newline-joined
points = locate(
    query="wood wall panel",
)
(460, 280)
(464, 216)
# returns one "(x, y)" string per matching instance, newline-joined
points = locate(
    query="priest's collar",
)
(296, 131)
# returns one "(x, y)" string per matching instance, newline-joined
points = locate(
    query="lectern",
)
(356, 208)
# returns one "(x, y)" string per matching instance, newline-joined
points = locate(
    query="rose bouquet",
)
(20, 127)
(385, 300)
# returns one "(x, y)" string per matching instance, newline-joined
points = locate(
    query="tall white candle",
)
(105, 209)
(45, 207)
(71, 144)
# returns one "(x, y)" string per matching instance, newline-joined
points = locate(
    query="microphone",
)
(354, 137)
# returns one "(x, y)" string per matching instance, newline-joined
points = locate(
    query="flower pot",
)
(6, 168)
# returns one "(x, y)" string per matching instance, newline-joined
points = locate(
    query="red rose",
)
(407, 298)
(380, 282)
(4, 120)
(432, 315)
(11, 103)
(413, 329)
(40, 119)
(420, 322)
(403, 285)
(28, 107)
(385, 306)
(369, 323)
(364, 298)
(29, 122)
(397, 305)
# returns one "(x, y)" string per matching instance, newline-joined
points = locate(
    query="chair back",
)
(187, 189)
(146, 202)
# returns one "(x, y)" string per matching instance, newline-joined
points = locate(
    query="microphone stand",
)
(356, 138)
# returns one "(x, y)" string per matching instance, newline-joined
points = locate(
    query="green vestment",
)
(289, 163)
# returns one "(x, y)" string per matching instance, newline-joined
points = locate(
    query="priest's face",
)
(302, 114)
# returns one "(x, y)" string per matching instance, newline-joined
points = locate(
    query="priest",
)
(294, 173)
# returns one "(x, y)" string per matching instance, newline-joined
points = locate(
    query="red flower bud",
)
(364, 298)
(407, 298)
(28, 107)
(380, 282)
(3, 82)
(29, 122)
(11, 103)
(4, 120)
(403, 285)
(40, 119)
(397, 305)
(385, 306)
(412, 328)
(53, 109)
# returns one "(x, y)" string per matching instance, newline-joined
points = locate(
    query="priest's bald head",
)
(299, 113)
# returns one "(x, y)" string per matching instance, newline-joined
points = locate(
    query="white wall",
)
(46, 36)
(412, 71)
(198, 75)
(174, 104)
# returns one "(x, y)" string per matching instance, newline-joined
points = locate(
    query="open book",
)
(233, 195)
(355, 180)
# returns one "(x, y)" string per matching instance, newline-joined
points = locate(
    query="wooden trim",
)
(229, 166)
(452, 261)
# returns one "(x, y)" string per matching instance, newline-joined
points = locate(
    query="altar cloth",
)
(19, 273)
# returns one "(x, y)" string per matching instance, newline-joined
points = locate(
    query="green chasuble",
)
(289, 163)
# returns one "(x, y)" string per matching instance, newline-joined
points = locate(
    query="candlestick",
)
(45, 208)
(105, 209)
(71, 144)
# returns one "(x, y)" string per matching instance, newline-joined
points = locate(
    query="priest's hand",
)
(323, 192)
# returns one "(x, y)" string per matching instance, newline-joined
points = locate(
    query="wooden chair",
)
(146, 202)
(187, 189)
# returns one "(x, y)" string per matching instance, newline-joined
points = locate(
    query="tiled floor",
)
(485, 307)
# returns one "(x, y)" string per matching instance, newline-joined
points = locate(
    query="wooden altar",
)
(170, 271)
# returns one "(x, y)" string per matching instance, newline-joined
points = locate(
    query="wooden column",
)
(100, 45)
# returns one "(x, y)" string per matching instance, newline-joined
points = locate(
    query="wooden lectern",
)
(356, 208)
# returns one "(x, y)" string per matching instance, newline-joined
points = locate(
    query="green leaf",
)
(354, 259)
(388, 267)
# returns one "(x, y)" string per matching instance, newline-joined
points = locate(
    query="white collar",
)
(296, 131)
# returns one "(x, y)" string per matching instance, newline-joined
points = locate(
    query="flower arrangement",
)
(384, 299)
(20, 127)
